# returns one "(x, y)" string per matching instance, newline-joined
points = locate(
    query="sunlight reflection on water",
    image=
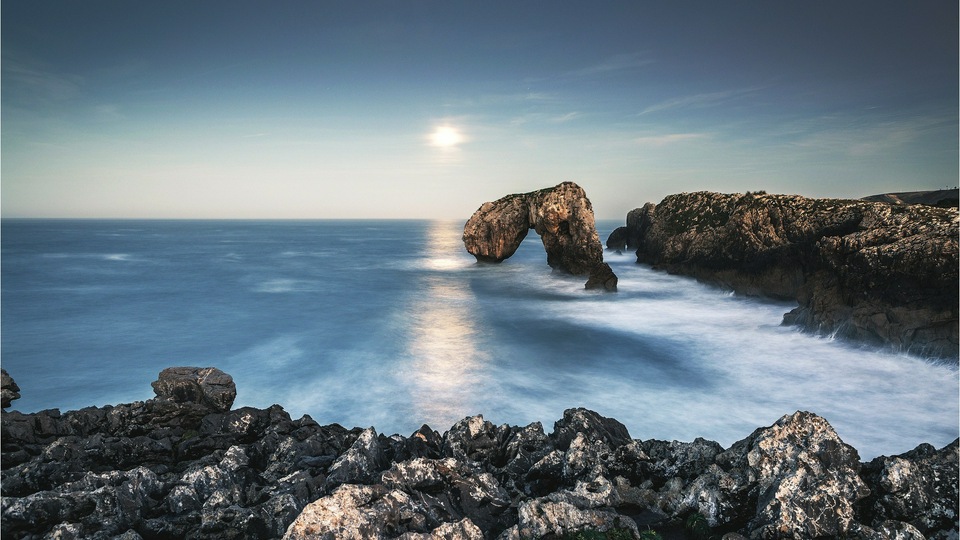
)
(444, 357)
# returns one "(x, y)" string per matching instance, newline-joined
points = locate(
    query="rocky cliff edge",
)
(872, 271)
(186, 465)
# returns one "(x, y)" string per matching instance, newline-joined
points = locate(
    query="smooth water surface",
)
(393, 324)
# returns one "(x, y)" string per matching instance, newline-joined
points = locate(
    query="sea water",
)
(393, 324)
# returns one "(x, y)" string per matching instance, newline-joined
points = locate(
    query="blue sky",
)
(327, 109)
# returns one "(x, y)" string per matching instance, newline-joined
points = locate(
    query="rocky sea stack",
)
(872, 271)
(561, 215)
(185, 465)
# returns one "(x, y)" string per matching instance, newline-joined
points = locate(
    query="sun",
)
(445, 137)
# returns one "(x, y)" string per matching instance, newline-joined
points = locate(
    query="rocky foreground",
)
(184, 465)
(878, 272)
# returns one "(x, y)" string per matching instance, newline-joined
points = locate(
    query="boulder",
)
(602, 277)
(593, 426)
(919, 487)
(794, 479)
(206, 386)
(871, 271)
(359, 512)
(561, 215)
(9, 391)
(361, 464)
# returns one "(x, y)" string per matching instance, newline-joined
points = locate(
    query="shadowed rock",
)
(169, 469)
(561, 215)
(628, 237)
(9, 390)
(870, 271)
(205, 386)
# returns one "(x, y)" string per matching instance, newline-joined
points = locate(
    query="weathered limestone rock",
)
(629, 237)
(361, 464)
(567, 511)
(794, 479)
(9, 390)
(602, 277)
(206, 386)
(354, 512)
(167, 469)
(562, 216)
(919, 487)
(592, 425)
(807, 479)
(870, 271)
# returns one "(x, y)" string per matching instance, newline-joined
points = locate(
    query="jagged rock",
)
(360, 513)
(629, 236)
(562, 216)
(919, 487)
(593, 426)
(602, 277)
(794, 479)
(589, 506)
(452, 491)
(9, 391)
(525, 447)
(362, 463)
(870, 271)
(424, 442)
(474, 439)
(166, 469)
(669, 459)
(461, 530)
(207, 386)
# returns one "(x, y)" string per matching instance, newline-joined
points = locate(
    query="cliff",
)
(872, 271)
(185, 465)
(561, 215)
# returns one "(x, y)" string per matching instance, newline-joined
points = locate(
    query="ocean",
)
(392, 324)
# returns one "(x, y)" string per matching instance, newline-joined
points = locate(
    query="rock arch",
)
(561, 215)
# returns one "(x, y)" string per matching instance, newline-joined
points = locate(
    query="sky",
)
(427, 109)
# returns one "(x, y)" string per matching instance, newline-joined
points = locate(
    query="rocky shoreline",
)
(882, 273)
(187, 465)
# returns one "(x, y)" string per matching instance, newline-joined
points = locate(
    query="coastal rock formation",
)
(183, 469)
(9, 391)
(944, 198)
(871, 271)
(628, 237)
(561, 215)
(208, 386)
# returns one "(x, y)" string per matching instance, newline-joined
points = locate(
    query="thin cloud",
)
(697, 100)
(670, 138)
(619, 62)
(109, 112)
(865, 136)
(37, 82)
(502, 99)
(565, 117)
(539, 117)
